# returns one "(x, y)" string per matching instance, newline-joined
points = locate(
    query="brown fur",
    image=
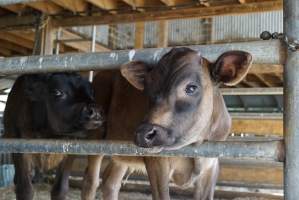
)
(129, 107)
(126, 111)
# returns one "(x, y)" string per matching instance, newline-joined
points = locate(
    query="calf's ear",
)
(34, 86)
(135, 72)
(231, 67)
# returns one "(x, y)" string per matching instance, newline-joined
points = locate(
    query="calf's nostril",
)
(90, 112)
(151, 135)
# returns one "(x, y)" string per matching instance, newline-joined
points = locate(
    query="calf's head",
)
(181, 89)
(64, 102)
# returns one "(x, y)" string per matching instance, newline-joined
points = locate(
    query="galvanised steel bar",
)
(266, 150)
(270, 52)
(252, 91)
(256, 115)
(9, 2)
(291, 102)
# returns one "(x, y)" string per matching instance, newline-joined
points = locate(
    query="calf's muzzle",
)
(94, 116)
(151, 135)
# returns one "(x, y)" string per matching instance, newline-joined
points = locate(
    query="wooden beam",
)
(266, 69)
(258, 126)
(204, 3)
(5, 52)
(139, 35)
(15, 47)
(251, 1)
(248, 173)
(4, 12)
(261, 78)
(29, 35)
(250, 84)
(135, 3)
(45, 7)
(74, 6)
(17, 22)
(142, 3)
(162, 34)
(176, 2)
(269, 80)
(104, 4)
(266, 174)
(254, 80)
(16, 40)
(83, 46)
(196, 12)
(273, 79)
(16, 8)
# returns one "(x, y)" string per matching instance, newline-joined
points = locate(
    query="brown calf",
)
(169, 105)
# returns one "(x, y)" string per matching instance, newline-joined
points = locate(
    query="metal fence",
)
(263, 52)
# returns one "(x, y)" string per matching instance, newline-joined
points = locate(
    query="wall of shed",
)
(245, 27)
(217, 29)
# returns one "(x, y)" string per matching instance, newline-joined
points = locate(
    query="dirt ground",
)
(42, 193)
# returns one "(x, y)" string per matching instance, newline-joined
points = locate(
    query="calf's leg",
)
(158, 170)
(206, 182)
(61, 184)
(23, 177)
(113, 176)
(92, 177)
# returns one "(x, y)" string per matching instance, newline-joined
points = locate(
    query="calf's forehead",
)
(175, 66)
(67, 81)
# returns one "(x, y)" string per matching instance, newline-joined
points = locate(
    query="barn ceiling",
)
(19, 41)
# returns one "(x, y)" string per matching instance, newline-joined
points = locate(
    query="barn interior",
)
(62, 27)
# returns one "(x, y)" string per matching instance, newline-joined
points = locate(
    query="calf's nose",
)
(93, 113)
(150, 135)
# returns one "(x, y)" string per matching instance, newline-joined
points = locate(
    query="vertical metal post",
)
(291, 103)
(93, 47)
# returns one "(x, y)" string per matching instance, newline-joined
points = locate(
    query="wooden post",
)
(48, 37)
(162, 33)
(112, 36)
(139, 35)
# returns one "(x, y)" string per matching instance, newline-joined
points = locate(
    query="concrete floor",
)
(42, 193)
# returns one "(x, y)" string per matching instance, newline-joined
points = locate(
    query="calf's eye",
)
(191, 89)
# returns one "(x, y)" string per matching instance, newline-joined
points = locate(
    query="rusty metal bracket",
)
(293, 45)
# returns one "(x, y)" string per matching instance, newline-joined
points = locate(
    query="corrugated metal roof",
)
(245, 27)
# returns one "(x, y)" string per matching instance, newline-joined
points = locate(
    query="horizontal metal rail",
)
(269, 52)
(73, 40)
(260, 116)
(266, 150)
(9, 2)
(252, 91)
